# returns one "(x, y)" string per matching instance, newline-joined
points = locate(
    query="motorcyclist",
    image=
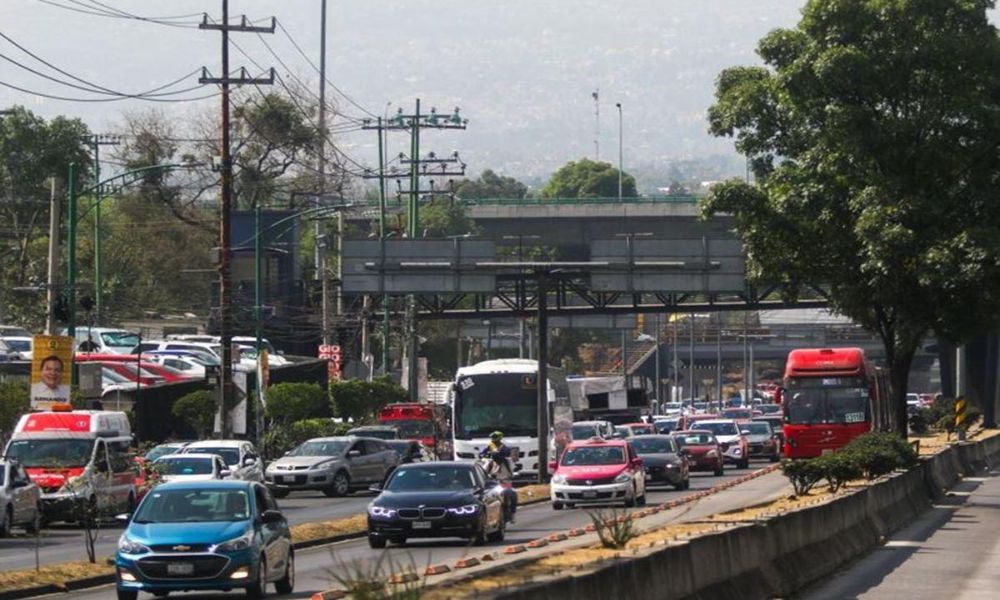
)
(501, 469)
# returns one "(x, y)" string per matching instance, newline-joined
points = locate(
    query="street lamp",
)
(620, 161)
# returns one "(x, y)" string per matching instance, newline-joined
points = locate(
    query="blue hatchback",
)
(205, 535)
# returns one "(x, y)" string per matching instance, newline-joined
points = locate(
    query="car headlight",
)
(380, 512)
(712, 454)
(129, 546)
(673, 465)
(737, 451)
(558, 479)
(234, 545)
(468, 509)
(623, 478)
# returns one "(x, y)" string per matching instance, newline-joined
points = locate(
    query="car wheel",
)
(280, 493)
(376, 542)
(681, 485)
(480, 538)
(340, 486)
(286, 584)
(257, 589)
(127, 594)
(8, 522)
(557, 506)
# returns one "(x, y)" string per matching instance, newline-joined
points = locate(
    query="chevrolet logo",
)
(181, 548)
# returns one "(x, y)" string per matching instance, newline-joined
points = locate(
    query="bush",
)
(198, 410)
(279, 439)
(15, 400)
(803, 474)
(920, 421)
(360, 401)
(881, 453)
(292, 402)
(838, 468)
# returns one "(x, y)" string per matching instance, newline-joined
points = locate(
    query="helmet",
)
(496, 435)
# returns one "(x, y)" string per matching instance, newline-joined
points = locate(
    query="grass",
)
(57, 574)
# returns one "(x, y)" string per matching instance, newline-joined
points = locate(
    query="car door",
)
(384, 458)
(121, 475)
(360, 463)
(17, 494)
(274, 536)
(491, 497)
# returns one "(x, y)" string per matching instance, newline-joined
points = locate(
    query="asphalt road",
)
(314, 566)
(64, 543)
(951, 551)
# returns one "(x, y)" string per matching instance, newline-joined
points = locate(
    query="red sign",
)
(58, 422)
(331, 352)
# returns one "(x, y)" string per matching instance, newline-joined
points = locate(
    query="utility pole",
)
(52, 290)
(676, 371)
(620, 150)
(226, 167)
(596, 95)
(659, 386)
(718, 358)
(691, 354)
(95, 141)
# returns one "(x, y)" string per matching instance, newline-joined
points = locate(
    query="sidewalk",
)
(952, 551)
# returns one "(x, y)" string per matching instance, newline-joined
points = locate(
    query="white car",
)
(190, 366)
(18, 345)
(191, 467)
(104, 340)
(735, 447)
(20, 499)
(240, 455)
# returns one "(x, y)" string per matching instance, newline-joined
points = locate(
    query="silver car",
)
(20, 499)
(333, 465)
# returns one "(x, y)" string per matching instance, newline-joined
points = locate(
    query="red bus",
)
(831, 396)
(424, 422)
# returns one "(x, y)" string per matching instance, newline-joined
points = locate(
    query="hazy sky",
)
(521, 70)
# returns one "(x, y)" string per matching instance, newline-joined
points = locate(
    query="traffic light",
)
(61, 309)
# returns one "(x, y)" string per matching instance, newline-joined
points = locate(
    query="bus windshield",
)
(51, 453)
(496, 401)
(809, 403)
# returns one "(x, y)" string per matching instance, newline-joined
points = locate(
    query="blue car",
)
(205, 535)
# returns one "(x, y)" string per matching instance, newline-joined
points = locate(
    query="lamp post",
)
(620, 152)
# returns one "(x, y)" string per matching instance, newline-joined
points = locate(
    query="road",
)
(64, 543)
(951, 551)
(313, 566)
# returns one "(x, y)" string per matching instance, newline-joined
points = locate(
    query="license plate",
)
(421, 524)
(286, 479)
(590, 494)
(180, 568)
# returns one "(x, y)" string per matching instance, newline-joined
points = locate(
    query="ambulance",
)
(79, 458)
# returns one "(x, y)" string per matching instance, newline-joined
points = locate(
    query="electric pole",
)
(226, 169)
(321, 170)
(430, 166)
(95, 141)
(596, 95)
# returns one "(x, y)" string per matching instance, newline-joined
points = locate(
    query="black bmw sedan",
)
(436, 500)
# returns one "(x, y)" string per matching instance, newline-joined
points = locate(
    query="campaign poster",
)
(51, 370)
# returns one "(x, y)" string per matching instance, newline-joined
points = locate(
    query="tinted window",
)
(427, 479)
(757, 428)
(319, 448)
(585, 432)
(185, 466)
(593, 455)
(653, 445)
(695, 439)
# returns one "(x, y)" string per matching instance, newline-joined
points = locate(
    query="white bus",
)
(502, 395)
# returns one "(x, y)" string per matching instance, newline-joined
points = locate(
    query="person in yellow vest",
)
(501, 469)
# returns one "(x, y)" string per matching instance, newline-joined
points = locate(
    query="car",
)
(664, 462)
(621, 432)
(639, 429)
(333, 465)
(190, 467)
(240, 455)
(703, 451)
(189, 366)
(163, 449)
(665, 425)
(409, 451)
(20, 499)
(104, 340)
(205, 535)
(769, 409)
(738, 414)
(598, 471)
(14, 331)
(584, 430)
(735, 448)
(761, 440)
(435, 500)
(381, 432)
(671, 408)
(18, 345)
(777, 424)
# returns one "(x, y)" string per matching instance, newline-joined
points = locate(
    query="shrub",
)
(291, 402)
(360, 400)
(920, 421)
(14, 402)
(279, 439)
(614, 528)
(838, 468)
(197, 409)
(879, 453)
(803, 474)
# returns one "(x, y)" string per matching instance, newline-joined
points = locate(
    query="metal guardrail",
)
(562, 201)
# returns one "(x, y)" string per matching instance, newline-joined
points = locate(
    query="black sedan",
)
(664, 462)
(436, 500)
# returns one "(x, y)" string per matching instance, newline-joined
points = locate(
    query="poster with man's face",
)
(51, 368)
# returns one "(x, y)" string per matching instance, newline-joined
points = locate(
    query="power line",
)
(88, 9)
(117, 99)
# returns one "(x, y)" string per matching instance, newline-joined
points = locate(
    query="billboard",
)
(51, 368)
(417, 266)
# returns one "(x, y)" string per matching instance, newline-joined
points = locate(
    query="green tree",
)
(490, 185)
(291, 402)
(360, 400)
(198, 410)
(588, 179)
(872, 132)
(14, 402)
(443, 218)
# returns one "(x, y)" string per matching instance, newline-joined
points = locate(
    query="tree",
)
(872, 132)
(14, 402)
(490, 185)
(588, 179)
(360, 400)
(198, 410)
(443, 218)
(291, 402)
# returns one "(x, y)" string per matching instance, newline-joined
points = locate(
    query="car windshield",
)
(654, 445)
(809, 405)
(757, 428)
(700, 406)
(320, 448)
(120, 339)
(19, 345)
(382, 434)
(51, 453)
(507, 402)
(720, 428)
(737, 413)
(584, 432)
(431, 479)
(593, 455)
(193, 506)
(161, 450)
(695, 439)
(184, 466)
(410, 429)
(230, 455)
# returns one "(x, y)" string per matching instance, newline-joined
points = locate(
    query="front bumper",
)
(734, 454)
(764, 449)
(209, 571)
(590, 494)
(60, 506)
(672, 474)
(305, 479)
(463, 526)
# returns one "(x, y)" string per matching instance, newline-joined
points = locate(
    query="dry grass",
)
(57, 574)
(324, 529)
(529, 494)
(933, 442)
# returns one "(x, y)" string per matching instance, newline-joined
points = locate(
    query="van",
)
(79, 458)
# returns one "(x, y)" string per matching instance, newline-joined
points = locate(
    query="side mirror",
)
(375, 487)
(123, 518)
(249, 461)
(353, 453)
(225, 473)
(270, 517)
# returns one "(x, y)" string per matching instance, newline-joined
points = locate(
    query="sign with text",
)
(51, 365)
(644, 265)
(335, 360)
